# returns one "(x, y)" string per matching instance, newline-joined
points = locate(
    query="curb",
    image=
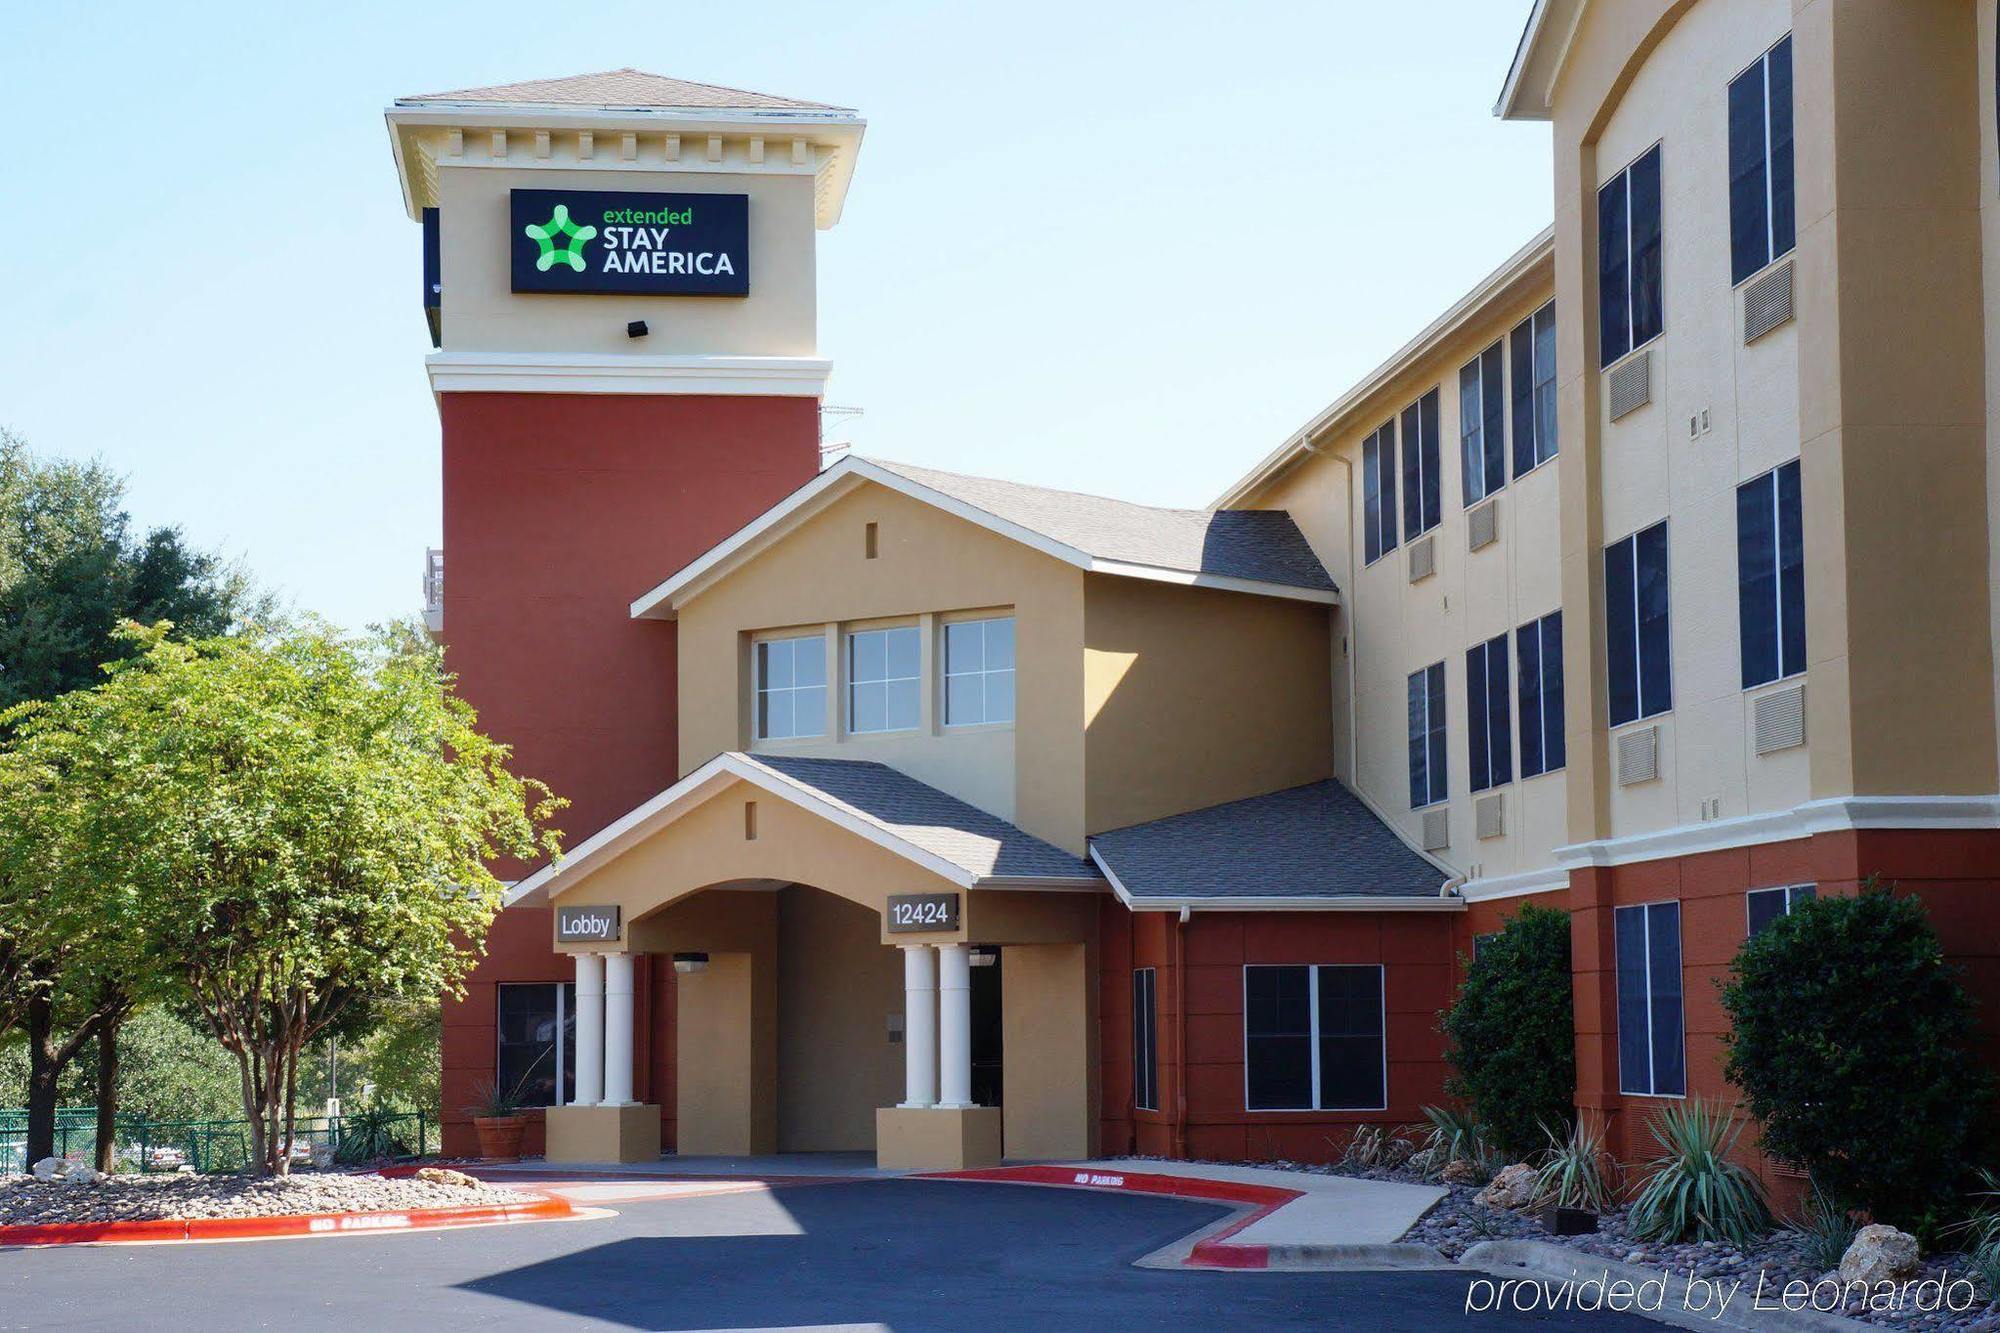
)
(534, 1208)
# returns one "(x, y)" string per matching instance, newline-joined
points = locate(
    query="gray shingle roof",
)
(620, 89)
(1262, 545)
(1315, 841)
(922, 815)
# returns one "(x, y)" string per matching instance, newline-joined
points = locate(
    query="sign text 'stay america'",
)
(625, 242)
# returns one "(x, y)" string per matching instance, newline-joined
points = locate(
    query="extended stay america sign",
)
(633, 243)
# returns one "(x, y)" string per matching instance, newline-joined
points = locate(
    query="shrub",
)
(1513, 1042)
(1695, 1192)
(1848, 1039)
(1576, 1172)
(1825, 1230)
(1457, 1136)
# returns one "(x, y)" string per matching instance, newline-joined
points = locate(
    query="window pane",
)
(1521, 377)
(867, 655)
(527, 1046)
(1763, 906)
(1493, 407)
(1277, 1037)
(1371, 497)
(809, 711)
(1439, 786)
(1614, 296)
(1784, 223)
(1545, 383)
(903, 709)
(1000, 644)
(1749, 217)
(1475, 718)
(1499, 729)
(1555, 749)
(1635, 1069)
(1419, 742)
(778, 717)
(1427, 417)
(1656, 677)
(964, 700)
(1145, 1063)
(1791, 573)
(1471, 450)
(868, 709)
(1413, 472)
(1621, 656)
(1388, 468)
(1664, 936)
(1757, 580)
(1528, 651)
(1648, 314)
(1350, 1038)
(905, 652)
(809, 661)
(774, 666)
(1801, 893)
(963, 648)
(1000, 696)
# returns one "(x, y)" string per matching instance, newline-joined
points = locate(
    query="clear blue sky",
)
(1115, 248)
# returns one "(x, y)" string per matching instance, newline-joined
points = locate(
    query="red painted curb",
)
(533, 1208)
(1258, 1201)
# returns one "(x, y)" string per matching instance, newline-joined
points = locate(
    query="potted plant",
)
(496, 1116)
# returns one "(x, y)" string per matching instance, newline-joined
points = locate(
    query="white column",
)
(954, 1026)
(589, 1029)
(919, 1026)
(618, 1029)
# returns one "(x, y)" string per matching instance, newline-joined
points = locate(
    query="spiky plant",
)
(1694, 1192)
(1576, 1171)
(1825, 1230)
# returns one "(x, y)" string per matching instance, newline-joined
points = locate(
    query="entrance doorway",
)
(987, 1042)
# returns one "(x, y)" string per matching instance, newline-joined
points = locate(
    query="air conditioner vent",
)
(1482, 525)
(1781, 720)
(1437, 828)
(1767, 303)
(1631, 384)
(1638, 756)
(1489, 815)
(1423, 557)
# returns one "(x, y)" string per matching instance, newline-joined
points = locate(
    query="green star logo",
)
(566, 250)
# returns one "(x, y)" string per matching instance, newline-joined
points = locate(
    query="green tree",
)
(1849, 1036)
(1513, 1045)
(167, 1070)
(305, 824)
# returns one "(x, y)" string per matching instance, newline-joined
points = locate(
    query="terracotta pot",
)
(500, 1137)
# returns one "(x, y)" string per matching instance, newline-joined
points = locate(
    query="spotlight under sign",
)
(631, 243)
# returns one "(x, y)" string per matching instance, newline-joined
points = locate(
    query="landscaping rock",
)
(49, 1168)
(441, 1175)
(1513, 1188)
(1460, 1171)
(1879, 1253)
(1422, 1161)
(136, 1197)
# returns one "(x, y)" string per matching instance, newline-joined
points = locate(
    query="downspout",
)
(1180, 1150)
(1353, 652)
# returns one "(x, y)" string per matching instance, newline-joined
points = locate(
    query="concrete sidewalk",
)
(1330, 1210)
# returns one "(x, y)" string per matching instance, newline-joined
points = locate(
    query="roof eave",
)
(1528, 92)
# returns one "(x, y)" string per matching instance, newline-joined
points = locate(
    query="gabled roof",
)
(620, 89)
(945, 835)
(1315, 846)
(1529, 90)
(1243, 550)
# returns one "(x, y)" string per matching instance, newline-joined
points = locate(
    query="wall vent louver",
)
(1638, 756)
(1767, 303)
(1489, 815)
(1781, 720)
(1423, 557)
(1437, 828)
(1631, 384)
(1482, 526)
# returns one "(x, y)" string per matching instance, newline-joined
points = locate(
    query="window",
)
(1635, 650)
(1378, 492)
(1539, 647)
(979, 671)
(1427, 784)
(1771, 576)
(1628, 259)
(1650, 1061)
(1313, 1038)
(1532, 349)
(537, 1030)
(1145, 1031)
(1761, 219)
(1482, 426)
(1763, 906)
(884, 679)
(791, 687)
(1489, 729)
(1422, 502)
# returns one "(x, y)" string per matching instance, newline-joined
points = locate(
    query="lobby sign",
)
(587, 925)
(634, 243)
(910, 912)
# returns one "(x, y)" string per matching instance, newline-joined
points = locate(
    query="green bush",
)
(1848, 1039)
(1694, 1192)
(1825, 1230)
(1513, 1043)
(1577, 1172)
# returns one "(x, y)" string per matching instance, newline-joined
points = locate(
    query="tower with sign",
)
(620, 293)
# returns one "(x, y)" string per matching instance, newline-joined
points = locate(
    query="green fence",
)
(318, 1142)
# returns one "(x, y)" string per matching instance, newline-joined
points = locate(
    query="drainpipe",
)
(1180, 1148)
(1348, 631)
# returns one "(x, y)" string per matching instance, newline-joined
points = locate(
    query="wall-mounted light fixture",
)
(687, 963)
(984, 955)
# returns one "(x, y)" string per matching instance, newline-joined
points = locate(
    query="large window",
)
(1650, 1058)
(1482, 425)
(1538, 646)
(1532, 349)
(1489, 732)
(1635, 650)
(1145, 1035)
(978, 671)
(884, 679)
(1378, 493)
(1427, 784)
(1771, 576)
(1628, 259)
(1313, 1038)
(1422, 502)
(1761, 222)
(1763, 906)
(537, 1029)
(791, 687)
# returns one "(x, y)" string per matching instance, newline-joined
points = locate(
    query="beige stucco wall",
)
(838, 986)
(1047, 1059)
(726, 1020)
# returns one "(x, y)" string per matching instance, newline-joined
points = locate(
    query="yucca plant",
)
(1456, 1136)
(1695, 1192)
(1825, 1230)
(1367, 1148)
(1576, 1171)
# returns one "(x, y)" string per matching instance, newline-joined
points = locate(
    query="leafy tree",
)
(1513, 1045)
(305, 825)
(167, 1070)
(1849, 1037)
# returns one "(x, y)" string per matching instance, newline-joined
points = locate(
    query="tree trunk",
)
(291, 1100)
(107, 1092)
(42, 1071)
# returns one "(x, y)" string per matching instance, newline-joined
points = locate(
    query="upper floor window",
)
(1489, 730)
(1763, 906)
(791, 687)
(1532, 348)
(1427, 773)
(1762, 224)
(978, 671)
(1538, 646)
(1771, 576)
(1378, 493)
(1636, 654)
(1630, 313)
(1422, 502)
(884, 679)
(1482, 425)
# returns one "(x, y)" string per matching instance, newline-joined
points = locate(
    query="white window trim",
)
(848, 682)
(946, 674)
(757, 690)
(1652, 1062)
(1312, 1039)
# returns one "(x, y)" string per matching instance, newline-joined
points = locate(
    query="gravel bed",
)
(25, 1200)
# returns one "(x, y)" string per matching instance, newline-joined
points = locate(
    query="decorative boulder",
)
(1460, 1171)
(439, 1175)
(1879, 1254)
(82, 1175)
(49, 1168)
(1422, 1161)
(1514, 1187)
